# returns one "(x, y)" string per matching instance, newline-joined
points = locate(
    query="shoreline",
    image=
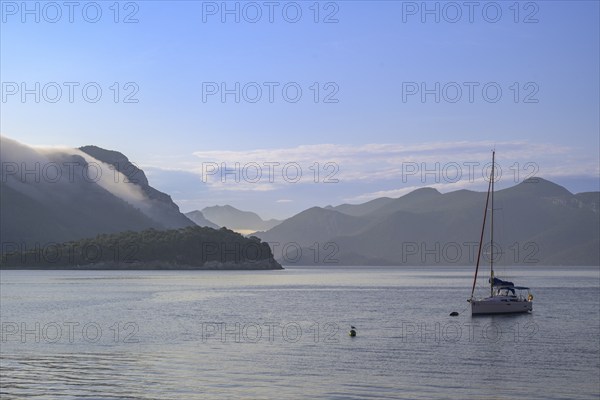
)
(157, 266)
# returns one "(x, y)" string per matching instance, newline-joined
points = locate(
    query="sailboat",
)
(504, 296)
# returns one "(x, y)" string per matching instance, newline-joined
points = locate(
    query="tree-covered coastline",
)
(185, 248)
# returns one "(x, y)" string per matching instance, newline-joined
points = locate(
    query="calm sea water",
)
(284, 334)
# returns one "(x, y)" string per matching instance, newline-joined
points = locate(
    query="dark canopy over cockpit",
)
(500, 282)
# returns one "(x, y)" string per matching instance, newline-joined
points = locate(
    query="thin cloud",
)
(368, 171)
(379, 161)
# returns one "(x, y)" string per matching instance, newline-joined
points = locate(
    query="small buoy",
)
(454, 314)
(352, 332)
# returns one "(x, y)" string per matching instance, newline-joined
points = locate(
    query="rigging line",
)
(481, 237)
(492, 180)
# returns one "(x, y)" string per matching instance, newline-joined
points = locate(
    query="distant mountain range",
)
(198, 218)
(58, 195)
(537, 223)
(227, 216)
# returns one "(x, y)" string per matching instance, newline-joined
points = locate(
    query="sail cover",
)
(500, 282)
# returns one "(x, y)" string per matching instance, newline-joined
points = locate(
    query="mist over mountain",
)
(536, 223)
(54, 195)
(61, 194)
(237, 220)
(159, 206)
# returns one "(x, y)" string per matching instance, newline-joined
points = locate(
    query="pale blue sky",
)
(367, 55)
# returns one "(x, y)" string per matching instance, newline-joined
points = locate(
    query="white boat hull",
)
(500, 306)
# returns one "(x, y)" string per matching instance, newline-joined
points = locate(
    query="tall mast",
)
(487, 199)
(492, 179)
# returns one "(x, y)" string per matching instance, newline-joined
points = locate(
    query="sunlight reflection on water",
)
(284, 334)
